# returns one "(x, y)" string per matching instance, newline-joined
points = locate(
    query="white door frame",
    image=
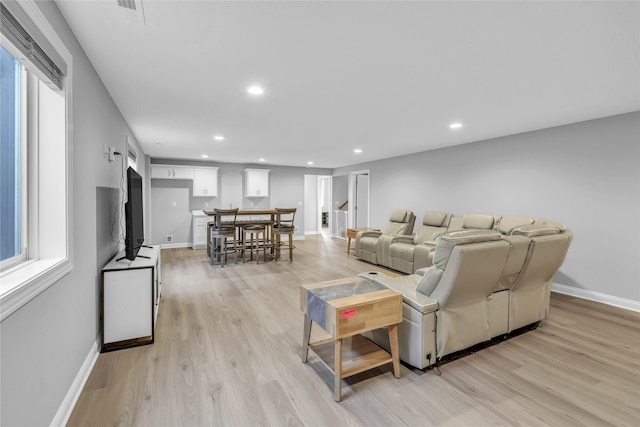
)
(352, 196)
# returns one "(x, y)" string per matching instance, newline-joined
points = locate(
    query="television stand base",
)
(137, 256)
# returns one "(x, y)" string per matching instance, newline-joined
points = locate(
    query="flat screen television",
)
(133, 212)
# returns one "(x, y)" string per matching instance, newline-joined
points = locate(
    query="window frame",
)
(49, 233)
(22, 95)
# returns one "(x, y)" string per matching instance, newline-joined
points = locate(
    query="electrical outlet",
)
(112, 154)
(168, 238)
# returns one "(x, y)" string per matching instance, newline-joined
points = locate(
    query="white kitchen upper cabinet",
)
(205, 182)
(256, 183)
(171, 172)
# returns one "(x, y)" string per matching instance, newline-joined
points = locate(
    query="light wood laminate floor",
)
(227, 353)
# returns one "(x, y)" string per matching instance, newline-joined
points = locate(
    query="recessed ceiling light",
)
(255, 90)
(261, 160)
(357, 151)
(205, 156)
(456, 125)
(218, 137)
(309, 162)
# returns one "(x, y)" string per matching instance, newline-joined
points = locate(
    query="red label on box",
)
(349, 312)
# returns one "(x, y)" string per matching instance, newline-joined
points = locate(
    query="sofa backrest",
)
(400, 222)
(466, 267)
(451, 244)
(518, 251)
(530, 292)
(455, 223)
(508, 223)
(477, 221)
(434, 224)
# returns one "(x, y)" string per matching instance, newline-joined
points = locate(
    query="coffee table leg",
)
(348, 245)
(395, 354)
(306, 335)
(337, 392)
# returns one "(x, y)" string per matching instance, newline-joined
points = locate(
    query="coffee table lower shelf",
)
(361, 356)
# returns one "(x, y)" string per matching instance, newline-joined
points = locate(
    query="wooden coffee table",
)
(347, 307)
(353, 232)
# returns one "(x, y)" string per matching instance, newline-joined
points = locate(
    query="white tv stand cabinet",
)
(130, 299)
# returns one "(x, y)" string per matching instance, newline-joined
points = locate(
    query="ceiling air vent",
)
(129, 4)
(131, 11)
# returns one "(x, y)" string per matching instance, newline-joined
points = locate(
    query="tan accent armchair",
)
(368, 246)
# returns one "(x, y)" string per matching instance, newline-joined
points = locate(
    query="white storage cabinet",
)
(256, 183)
(200, 221)
(130, 299)
(171, 172)
(205, 182)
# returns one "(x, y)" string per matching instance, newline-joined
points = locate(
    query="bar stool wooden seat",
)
(222, 236)
(284, 225)
(251, 231)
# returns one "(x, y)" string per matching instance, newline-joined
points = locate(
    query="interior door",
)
(362, 200)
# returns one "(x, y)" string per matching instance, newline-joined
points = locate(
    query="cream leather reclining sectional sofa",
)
(485, 278)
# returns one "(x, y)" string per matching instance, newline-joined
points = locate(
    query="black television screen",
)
(133, 213)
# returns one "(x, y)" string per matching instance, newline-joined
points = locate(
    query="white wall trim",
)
(176, 245)
(597, 296)
(66, 407)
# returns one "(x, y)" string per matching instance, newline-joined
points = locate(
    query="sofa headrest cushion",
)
(535, 230)
(478, 221)
(398, 215)
(449, 241)
(508, 223)
(434, 219)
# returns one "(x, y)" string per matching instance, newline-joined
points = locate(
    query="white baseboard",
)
(64, 411)
(175, 245)
(597, 296)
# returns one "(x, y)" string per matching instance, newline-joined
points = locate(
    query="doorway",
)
(317, 196)
(360, 194)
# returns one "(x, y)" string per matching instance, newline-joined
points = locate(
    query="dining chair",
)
(284, 225)
(222, 232)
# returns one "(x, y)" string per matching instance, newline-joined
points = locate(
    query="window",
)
(12, 213)
(35, 188)
(132, 154)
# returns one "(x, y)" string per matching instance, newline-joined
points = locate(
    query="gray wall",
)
(45, 343)
(585, 175)
(286, 189)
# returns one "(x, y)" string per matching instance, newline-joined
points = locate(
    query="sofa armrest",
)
(406, 285)
(362, 234)
(400, 238)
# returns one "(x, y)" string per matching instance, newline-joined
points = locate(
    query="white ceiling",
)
(387, 77)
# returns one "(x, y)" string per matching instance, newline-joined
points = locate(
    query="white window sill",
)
(24, 282)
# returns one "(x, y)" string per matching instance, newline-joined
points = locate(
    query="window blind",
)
(27, 45)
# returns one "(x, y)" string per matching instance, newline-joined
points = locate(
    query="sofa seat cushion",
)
(402, 251)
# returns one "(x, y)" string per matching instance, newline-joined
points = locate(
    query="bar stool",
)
(221, 230)
(284, 225)
(251, 230)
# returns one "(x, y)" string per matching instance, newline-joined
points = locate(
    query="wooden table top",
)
(268, 211)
